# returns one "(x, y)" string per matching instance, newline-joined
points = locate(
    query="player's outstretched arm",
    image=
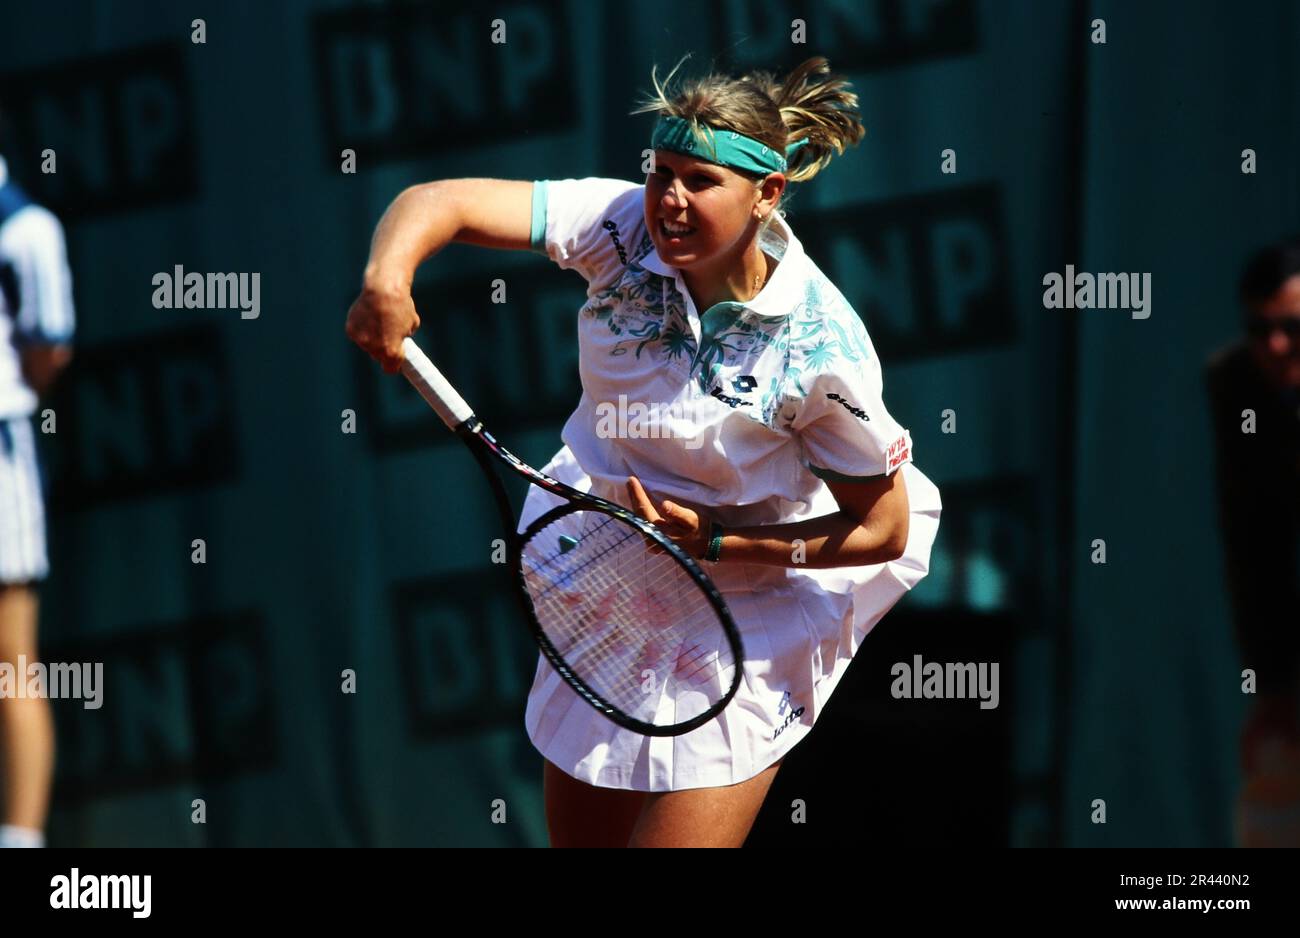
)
(418, 224)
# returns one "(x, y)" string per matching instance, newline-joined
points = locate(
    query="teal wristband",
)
(715, 543)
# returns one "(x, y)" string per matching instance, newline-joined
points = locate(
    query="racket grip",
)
(433, 387)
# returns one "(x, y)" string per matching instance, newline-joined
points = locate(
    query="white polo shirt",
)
(35, 296)
(742, 410)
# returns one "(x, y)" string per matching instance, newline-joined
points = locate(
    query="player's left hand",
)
(688, 529)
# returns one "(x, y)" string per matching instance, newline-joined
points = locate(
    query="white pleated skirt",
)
(800, 629)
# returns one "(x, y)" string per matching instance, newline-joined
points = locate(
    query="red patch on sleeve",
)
(898, 453)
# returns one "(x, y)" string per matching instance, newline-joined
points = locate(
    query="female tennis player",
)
(774, 459)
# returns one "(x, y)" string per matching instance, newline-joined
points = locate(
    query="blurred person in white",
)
(36, 325)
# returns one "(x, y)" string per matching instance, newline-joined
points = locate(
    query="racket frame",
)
(706, 586)
(458, 416)
(481, 443)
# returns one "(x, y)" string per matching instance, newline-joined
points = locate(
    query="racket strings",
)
(608, 640)
(622, 610)
(614, 607)
(621, 535)
(649, 586)
(627, 541)
(556, 559)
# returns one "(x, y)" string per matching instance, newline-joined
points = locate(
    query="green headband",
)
(726, 147)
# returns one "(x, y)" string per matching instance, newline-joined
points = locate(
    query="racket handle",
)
(433, 387)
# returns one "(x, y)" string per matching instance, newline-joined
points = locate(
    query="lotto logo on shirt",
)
(898, 453)
(855, 411)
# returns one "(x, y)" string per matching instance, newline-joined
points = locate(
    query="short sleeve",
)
(38, 281)
(844, 430)
(587, 225)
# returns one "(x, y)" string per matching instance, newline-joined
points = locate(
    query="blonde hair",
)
(809, 103)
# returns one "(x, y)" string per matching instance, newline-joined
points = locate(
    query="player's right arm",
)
(421, 222)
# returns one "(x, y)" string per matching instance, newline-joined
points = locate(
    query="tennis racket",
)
(625, 616)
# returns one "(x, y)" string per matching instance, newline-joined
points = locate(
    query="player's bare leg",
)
(26, 723)
(703, 817)
(582, 815)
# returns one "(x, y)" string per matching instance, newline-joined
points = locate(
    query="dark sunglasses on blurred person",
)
(1258, 327)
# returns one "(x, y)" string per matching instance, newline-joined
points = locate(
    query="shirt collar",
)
(781, 293)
